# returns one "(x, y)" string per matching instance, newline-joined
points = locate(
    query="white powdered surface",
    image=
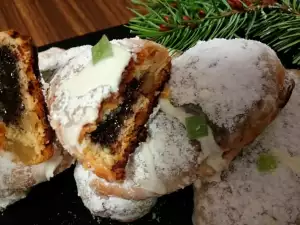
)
(166, 161)
(16, 178)
(55, 58)
(224, 77)
(7, 195)
(133, 45)
(249, 197)
(115, 208)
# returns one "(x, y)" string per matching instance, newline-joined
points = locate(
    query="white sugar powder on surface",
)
(166, 157)
(16, 178)
(224, 77)
(7, 195)
(115, 208)
(55, 58)
(249, 197)
(133, 45)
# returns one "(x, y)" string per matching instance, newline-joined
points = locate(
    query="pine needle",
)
(180, 24)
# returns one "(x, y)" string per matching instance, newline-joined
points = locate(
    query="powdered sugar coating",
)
(55, 58)
(249, 197)
(224, 77)
(16, 178)
(115, 208)
(133, 45)
(164, 163)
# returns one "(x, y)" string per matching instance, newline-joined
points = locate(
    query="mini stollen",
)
(247, 195)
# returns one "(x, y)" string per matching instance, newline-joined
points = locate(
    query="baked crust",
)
(30, 137)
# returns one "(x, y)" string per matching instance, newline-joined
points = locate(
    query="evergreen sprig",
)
(180, 24)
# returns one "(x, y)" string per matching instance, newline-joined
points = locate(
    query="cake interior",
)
(21, 115)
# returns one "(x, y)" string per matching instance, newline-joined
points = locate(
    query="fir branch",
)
(181, 24)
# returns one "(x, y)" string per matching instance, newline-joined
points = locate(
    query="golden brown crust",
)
(29, 78)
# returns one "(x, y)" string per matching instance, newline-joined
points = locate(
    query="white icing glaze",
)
(77, 90)
(224, 78)
(115, 208)
(69, 108)
(247, 196)
(106, 72)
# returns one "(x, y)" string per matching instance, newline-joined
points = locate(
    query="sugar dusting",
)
(115, 208)
(133, 45)
(7, 195)
(166, 156)
(55, 58)
(16, 178)
(232, 74)
(248, 197)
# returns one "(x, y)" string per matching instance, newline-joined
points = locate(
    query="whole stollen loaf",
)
(239, 85)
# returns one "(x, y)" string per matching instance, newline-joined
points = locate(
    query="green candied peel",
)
(266, 162)
(196, 126)
(102, 50)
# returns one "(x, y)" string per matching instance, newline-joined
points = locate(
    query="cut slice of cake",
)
(99, 111)
(24, 128)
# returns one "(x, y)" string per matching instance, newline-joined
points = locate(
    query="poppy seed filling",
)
(10, 97)
(108, 131)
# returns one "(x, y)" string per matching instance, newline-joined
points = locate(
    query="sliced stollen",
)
(24, 127)
(99, 111)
